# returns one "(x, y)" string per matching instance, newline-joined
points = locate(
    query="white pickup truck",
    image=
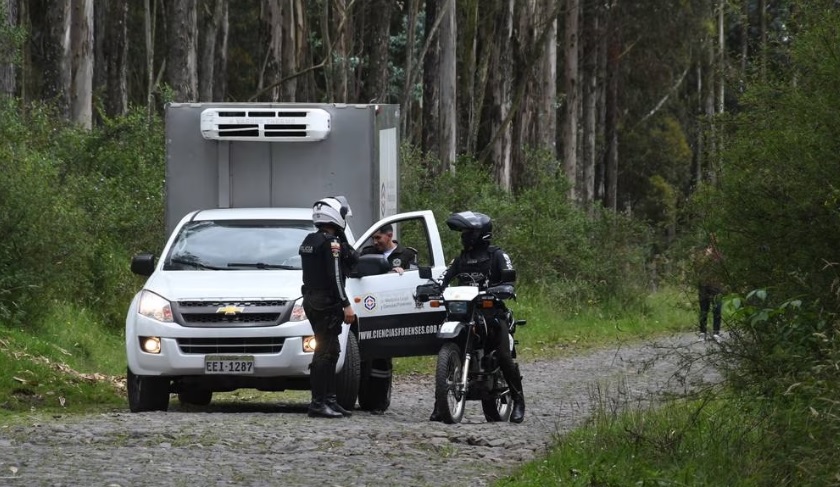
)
(221, 308)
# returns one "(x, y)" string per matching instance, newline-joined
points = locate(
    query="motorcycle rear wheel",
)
(448, 402)
(498, 409)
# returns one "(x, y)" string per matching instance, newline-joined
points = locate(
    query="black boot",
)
(318, 380)
(518, 414)
(320, 409)
(435, 416)
(331, 399)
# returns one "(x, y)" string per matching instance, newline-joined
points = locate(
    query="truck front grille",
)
(219, 314)
(231, 345)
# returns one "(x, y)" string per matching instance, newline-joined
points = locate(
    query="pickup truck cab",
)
(221, 308)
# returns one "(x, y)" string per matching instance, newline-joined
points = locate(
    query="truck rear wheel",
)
(147, 393)
(347, 381)
(374, 392)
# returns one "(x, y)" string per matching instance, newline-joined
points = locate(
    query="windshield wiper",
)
(263, 265)
(194, 263)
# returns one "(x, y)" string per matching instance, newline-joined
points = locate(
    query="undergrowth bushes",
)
(76, 206)
(559, 250)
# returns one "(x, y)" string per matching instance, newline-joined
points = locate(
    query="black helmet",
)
(475, 228)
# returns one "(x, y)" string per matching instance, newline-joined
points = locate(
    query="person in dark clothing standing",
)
(325, 256)
(486, 263)
(400, 259)
(708, 267)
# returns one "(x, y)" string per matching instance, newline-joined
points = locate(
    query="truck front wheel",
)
(147, 393)
(347, 381)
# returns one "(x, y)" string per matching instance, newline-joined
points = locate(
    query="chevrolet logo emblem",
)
(230, 310)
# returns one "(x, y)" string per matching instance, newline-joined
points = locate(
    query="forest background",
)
(607, 138)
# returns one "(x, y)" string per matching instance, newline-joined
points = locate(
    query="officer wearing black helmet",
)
(325, 256)
(480, 258)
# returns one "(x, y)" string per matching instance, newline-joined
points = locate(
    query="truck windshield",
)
(238, 245)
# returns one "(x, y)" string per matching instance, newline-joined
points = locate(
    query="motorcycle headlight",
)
(155, 307)
(457, 307)
(298, 314)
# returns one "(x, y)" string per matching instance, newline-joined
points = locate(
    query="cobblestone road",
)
(277, 444)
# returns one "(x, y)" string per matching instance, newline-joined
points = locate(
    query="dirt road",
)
(277, 444)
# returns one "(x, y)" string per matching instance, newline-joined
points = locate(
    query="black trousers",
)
(325, 315)
(499, 340)
(709, 298)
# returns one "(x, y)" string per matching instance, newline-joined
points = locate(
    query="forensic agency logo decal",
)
(370, 303)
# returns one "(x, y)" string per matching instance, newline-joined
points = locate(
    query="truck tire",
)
(347, 381)
(374, 393)
(195, 397)
(147, 393)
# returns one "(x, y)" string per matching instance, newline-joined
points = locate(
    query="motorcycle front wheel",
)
(450, 395)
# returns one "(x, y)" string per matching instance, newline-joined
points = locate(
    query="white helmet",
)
(333, 210)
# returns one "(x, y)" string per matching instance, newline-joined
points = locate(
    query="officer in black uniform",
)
(485, 261)
(325, 256)
(401, 258)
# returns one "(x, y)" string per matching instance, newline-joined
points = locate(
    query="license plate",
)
(229, 364)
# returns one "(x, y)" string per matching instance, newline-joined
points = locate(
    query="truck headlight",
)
(155, 307)
(298, 314)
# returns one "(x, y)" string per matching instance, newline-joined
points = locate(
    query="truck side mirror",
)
(508, 275)
(371, 265)
(143, 264)
(425, 272)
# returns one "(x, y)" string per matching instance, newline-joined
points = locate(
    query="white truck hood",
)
(209, 285)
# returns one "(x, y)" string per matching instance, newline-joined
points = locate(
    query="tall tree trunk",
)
(525, 121)
(292, 23)
(211, 17)
(745, 42)
(407, 104)
(590, 95)
(500, 150)
(448, 79)
(601, 137)
(700, 151)
(611, 129)
(570, 121)
(431, 85)
(378, 32)
(149, 31)
(546, 105)
(81, 45)
(342, 49)
(709, 108)
(182, 37)
(8, 70)
(221, 55)
(469, 32)
(56, 73)
(271, 71)
(762, 15)
(115, 57)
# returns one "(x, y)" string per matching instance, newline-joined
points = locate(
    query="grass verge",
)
(698, 442)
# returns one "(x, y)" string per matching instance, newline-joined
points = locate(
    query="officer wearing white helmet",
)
(325, 256)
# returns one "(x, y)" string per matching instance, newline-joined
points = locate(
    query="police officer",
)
(400, 258)
(325, 256)
(483, 260)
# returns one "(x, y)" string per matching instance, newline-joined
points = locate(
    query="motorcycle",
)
(467, 366)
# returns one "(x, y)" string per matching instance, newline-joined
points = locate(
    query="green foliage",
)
(785, 356)
(77, 205)
(776, 209)
(557, 249)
